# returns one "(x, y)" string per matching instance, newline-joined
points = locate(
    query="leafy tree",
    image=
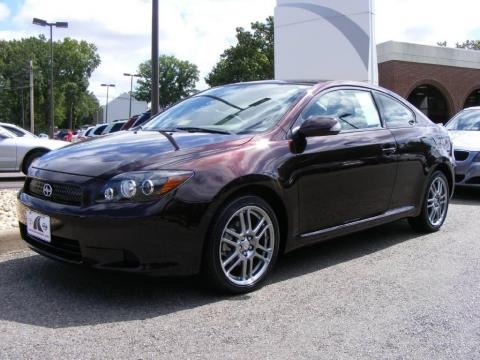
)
(74, 62)
(468, 44)
(177, 80)
(252, 58)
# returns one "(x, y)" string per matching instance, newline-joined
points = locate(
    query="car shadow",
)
(41, 292)
(466, 196)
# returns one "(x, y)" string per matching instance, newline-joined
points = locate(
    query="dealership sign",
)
(325, 40)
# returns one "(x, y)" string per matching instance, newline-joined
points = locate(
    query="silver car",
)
(18, 152)
(16, 130)
(464, 129)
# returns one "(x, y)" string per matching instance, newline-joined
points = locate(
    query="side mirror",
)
(319, 126)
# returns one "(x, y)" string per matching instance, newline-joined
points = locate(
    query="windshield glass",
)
(466, 121)
(239, 108)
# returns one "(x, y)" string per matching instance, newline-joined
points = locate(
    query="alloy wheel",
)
(247, 245)
(437, 201)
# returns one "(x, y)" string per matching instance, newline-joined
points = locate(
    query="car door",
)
(8, 151)
(412, 149)
(348, 176)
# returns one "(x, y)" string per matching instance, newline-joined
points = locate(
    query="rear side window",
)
(354, 109)
(116, 127)
(99, 130)
(394, 113)
(15, 131)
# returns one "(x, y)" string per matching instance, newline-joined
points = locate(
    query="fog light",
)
(128, 188)
(109, 194)
(147, 187)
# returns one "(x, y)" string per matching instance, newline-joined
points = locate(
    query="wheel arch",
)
(261, 186)
(30, 152)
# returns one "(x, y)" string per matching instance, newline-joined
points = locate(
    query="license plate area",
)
(39, 226)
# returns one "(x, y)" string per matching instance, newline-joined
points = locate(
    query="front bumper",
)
(467, 172)
(159, 239)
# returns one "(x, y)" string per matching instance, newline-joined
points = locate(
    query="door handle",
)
(389, 150)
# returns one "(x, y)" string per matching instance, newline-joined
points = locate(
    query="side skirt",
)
(345, 229)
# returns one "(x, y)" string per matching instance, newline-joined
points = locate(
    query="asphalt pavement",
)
(383, 293)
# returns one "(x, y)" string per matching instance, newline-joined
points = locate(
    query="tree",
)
(177, 80)
(252, 58)
(74, 62)
(468, 44)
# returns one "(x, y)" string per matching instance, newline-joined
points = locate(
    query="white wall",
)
(325, 40)
(118, 108)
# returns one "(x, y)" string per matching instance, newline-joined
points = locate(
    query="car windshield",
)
(466, 121)
(238, 108)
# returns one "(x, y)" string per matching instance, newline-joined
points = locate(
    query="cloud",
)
(4, 11)
(199, 31)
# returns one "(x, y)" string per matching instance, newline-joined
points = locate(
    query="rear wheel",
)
(242, 246)
(27, 161)
(435, 205)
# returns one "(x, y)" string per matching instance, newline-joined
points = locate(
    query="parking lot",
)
(384, 293)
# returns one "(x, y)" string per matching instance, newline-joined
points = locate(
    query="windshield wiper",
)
(205, 130)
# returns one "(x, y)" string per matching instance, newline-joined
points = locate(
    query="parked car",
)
(464, 129)
(114, 127)
(98, 130)
(16, 130)
(18, 152)
(142, 119)
(229, 178)
(130, 122)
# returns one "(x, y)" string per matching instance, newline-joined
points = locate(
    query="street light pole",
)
(155, 66)
(58, 24)
(131, 89)
(106, 105)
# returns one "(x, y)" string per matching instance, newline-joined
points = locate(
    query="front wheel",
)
(435, 205)
(242, 246)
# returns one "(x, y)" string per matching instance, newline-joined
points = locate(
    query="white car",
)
(18, 152)
(16, 130)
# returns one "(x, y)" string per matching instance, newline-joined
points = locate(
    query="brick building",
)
(439, 81)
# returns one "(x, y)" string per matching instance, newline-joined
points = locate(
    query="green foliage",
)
(74, 62)
(252, 58)
(177, 80)
(468, 44)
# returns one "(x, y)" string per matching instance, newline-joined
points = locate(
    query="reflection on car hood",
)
(132, 151)
(466, 140)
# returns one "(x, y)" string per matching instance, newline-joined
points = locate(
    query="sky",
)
(199, 30)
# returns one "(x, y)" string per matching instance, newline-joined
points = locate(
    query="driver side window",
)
(354, 109)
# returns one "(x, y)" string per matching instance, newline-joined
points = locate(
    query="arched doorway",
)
(429, 100)
(473, 99)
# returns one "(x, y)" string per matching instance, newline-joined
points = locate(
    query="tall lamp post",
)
(155, 68)
(131, 89)
(58, 24)
(106, 105)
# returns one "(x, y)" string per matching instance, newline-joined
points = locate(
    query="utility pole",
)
(155, 68)
(131, 89)
(32, 111)
(106, 105)
(58, 24)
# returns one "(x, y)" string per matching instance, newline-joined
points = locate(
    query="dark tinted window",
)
(116, 127)
(354, 109)
(394, 113)
(14, 130)
(99, 130)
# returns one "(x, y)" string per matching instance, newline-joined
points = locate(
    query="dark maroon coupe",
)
(228, 179)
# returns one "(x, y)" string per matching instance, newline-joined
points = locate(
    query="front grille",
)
(461, 155)
(66, 249)
(61, 193)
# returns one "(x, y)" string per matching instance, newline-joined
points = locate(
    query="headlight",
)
(477, 158)
(141, 185)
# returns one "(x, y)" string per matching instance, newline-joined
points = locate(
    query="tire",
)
(27, 161)
(435, 205)
(239, 256)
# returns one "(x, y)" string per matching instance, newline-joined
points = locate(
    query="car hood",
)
(133, 151)
(466, 140)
